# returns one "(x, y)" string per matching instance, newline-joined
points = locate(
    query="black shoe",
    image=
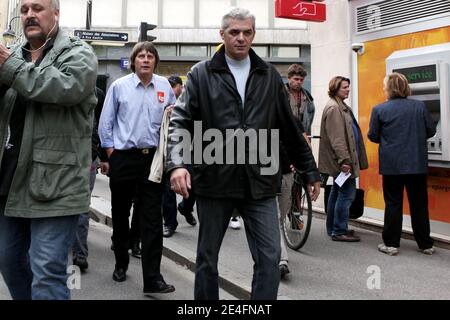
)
(284, 270)
(345, 238)
(168, 232)
(135, 250)
(81, 263)
(188, 215)
(159, 286)
(119, 274)
(190, 219)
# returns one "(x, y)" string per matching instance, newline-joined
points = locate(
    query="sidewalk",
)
(322, 269)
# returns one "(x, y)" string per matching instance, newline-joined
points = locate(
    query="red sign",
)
(161, 96)
(301, 10)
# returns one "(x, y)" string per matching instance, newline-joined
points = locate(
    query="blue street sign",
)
(124, 63)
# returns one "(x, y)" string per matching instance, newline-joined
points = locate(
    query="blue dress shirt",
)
(132, 113)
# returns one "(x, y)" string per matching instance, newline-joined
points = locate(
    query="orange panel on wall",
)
(371, 72)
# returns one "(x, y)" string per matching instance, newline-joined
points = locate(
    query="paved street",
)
(96, 283)
(323, 269)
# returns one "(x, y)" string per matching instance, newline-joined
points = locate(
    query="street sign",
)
(301, 10)
(93, 35)
(124, 63)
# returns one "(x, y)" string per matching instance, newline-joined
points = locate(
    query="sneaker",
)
(297, 221)
(235, 224)
(429, 251)
(392, 251)
(284, 270)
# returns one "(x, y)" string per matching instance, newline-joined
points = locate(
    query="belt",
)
(136, 150)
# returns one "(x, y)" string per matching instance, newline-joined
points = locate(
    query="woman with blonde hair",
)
(401, 127)
(341, 149)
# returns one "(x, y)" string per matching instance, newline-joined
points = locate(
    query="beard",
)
(38, 36)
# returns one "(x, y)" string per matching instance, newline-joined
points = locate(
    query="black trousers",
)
(129, 171)
(416, 189)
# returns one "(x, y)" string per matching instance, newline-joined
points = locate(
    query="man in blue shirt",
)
(129, 131)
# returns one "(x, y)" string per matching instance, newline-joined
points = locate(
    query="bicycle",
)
(296, 225)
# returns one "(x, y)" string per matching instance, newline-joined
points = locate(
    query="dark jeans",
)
(34, 254)
(416, 188)
(80, 246)
(169, 205)
(263, 237)
(129, 181)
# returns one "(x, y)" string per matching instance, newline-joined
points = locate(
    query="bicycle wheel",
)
(297, 223)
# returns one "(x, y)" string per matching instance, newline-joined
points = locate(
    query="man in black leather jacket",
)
(236, 92)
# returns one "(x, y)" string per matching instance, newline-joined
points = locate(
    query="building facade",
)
(3, 15)
(366, 39)
(187, 31)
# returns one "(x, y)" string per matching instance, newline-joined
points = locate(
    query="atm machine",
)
(427, 70)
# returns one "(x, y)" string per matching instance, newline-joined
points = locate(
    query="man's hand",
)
(4, 54)
(314, 190)
(180, 182)
(104, 167)
(169, 110)
(109, 151)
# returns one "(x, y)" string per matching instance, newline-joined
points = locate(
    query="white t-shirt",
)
(240, 70)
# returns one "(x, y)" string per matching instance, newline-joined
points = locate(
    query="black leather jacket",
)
(211, 96)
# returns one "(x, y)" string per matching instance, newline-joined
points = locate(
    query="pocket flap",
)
(54, 157)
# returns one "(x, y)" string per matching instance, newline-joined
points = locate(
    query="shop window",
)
(285, 52)
(194, 51)
(167, 50)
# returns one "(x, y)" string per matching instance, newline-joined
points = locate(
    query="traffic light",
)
(143, 32)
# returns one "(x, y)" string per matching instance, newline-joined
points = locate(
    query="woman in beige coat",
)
(341, 150)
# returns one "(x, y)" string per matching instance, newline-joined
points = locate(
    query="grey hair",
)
(55, 4)
(237, 14)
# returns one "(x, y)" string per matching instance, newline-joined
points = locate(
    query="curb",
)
(376, 226)
(230, 281)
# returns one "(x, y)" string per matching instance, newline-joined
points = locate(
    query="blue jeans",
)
(339, 202)
(34, 254)
(263, 237)
(80, 247)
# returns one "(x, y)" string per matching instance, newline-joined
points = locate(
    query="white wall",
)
(176, 19)
(330, 53)
(330, 56)
(3, 16)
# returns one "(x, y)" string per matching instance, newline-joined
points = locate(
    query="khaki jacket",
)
(52, 174)
(337, 143)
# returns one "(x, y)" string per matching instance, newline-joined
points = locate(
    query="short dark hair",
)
(296, 70)
(174, 80)
(397, 85)
(143, 46)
